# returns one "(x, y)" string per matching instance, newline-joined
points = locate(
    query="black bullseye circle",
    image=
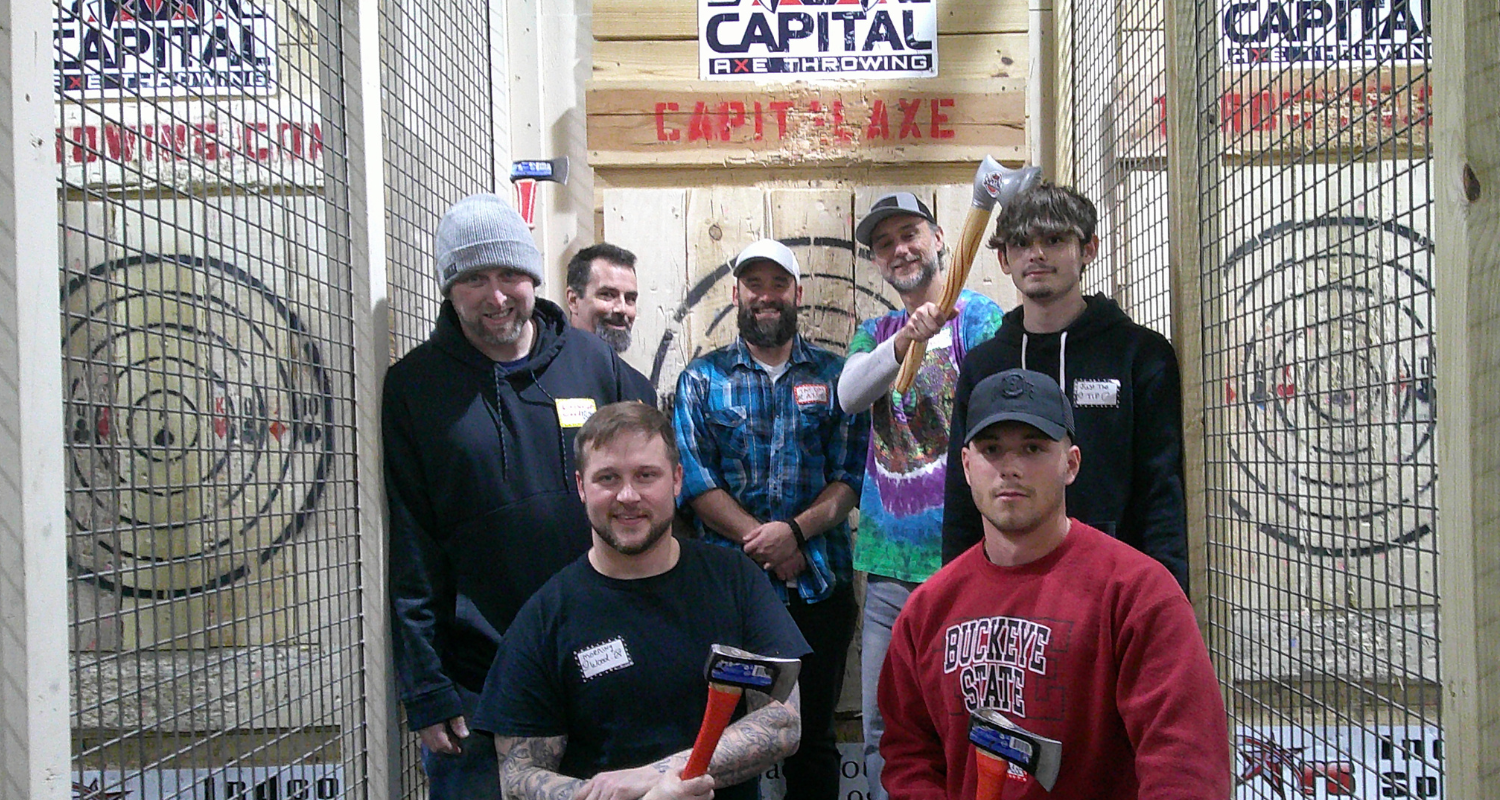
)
(199, 424)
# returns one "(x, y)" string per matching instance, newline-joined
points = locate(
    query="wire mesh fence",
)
(441, 128)
(1317, 317)
(216, 640)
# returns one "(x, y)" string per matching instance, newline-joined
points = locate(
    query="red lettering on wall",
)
(937, 131)
(909, 111)
(663, 133)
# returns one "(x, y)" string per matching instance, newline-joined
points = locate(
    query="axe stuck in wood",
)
(730, 672)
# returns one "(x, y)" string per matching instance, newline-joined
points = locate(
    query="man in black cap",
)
(1071, 634)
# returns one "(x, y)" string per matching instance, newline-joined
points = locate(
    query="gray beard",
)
(618, 339)
(921, 279)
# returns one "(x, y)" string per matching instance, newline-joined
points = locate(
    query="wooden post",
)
(34, 741)
(1188, 128)
(1466, 189)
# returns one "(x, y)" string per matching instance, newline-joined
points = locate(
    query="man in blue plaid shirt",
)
(771, 464)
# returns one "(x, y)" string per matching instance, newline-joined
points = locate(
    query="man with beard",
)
(901, 507)
(478, 423)
(601, 298)
(772, 465)
(599, 690)
(1071, 634)
(1121, 377)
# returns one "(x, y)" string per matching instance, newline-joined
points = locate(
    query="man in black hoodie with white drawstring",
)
(1121, 377)
(478, 425)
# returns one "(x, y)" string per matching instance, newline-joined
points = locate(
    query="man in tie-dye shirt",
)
(899, 543)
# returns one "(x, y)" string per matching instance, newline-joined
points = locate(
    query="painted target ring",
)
(1335, 388)
(199, 424)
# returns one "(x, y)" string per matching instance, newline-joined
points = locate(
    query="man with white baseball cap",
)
(772, 465)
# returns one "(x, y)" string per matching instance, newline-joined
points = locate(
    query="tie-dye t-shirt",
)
(901, 504)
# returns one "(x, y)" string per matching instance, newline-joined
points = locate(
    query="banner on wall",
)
(163, 48)
(810, 40)
(1324, 32)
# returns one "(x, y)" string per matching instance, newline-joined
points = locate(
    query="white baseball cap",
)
(768, 250)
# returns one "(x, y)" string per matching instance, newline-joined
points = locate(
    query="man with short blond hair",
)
(600, 689)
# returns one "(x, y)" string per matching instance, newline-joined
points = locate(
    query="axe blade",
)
(995, 184)
(732, 666)
(1040, 757)
(555, 170)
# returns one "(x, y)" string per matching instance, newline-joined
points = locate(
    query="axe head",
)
(731, 666)
(555, 170)
(1039, 756)
(996, 184)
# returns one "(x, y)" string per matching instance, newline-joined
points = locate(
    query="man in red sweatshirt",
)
(1070, 633)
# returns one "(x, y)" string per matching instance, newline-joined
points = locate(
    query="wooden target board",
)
(200, 416)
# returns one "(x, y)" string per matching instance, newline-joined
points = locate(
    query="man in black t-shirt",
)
(599, 690)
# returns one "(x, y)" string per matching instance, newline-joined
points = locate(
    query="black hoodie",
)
(483, 505)
(1130, 434)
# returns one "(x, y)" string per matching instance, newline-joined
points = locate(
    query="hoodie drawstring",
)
(1062, 363)
(495, 415)
(562, 443)
(1062, 358)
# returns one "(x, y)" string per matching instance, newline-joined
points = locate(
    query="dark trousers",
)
(828, 626)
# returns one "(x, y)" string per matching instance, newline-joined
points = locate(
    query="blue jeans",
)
(473, 774)
(884, 598)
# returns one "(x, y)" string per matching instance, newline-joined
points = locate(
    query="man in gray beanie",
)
(478, 426)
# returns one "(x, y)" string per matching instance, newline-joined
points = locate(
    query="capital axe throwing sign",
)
(812, 39)
(163, 48)
(1324, 32)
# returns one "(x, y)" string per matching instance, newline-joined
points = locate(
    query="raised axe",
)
(524, 176)
(992, 184)
(730, 672)
(998, 743)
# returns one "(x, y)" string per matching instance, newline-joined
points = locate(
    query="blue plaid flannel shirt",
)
(773, 448)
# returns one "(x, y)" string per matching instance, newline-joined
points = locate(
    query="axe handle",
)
(993, 771)
(975, 224)
(722, 699)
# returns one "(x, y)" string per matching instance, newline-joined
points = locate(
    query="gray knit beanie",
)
(482, 231)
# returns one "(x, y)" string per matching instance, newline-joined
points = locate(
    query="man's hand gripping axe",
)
(992, 184)
(998, 743)
(524, 176)
(730, 672)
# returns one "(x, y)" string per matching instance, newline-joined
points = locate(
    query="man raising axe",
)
(601, 686)
(1071, 634)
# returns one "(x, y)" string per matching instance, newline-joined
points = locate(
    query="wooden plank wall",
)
(688, 172)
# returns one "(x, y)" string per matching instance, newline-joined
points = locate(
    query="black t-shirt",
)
(617, 665)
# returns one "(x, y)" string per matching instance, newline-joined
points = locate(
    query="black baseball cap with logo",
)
(1019, 395)
(889, 205)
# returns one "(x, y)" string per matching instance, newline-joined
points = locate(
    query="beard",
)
(923, 277)
(475, 328)
(607, 533)
(768, 333)
(618, 338)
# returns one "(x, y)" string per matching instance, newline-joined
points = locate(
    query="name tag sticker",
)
(601, 658)
(1096, 393)
(572, 412)
(811, 393)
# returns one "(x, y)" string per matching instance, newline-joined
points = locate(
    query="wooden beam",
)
(980, 56)
(1466, 190)
(677, 19)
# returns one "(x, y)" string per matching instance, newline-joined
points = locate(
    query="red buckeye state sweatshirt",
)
(1093, 644)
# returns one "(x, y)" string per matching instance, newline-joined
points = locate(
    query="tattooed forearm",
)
(751, 745)
(528, 769)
